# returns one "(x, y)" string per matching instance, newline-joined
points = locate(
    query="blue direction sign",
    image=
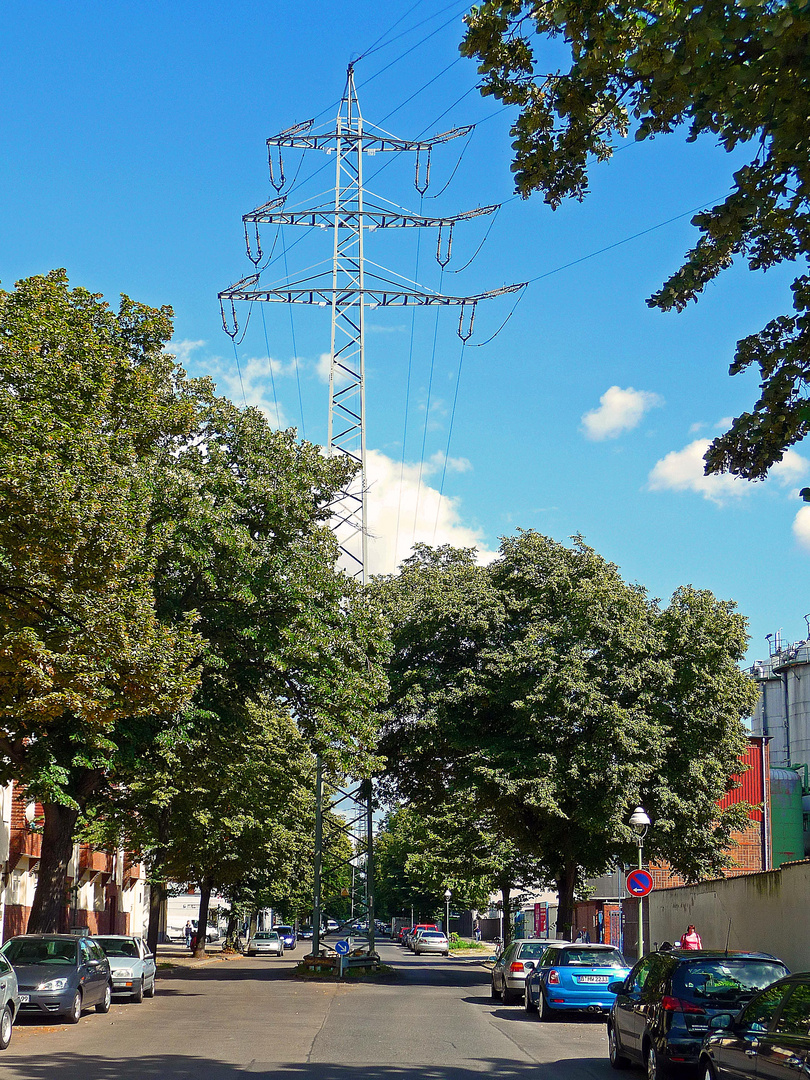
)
(342, 948)
(639, 882)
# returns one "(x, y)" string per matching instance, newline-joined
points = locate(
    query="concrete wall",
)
(767, 912)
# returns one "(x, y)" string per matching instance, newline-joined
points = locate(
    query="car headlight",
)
(123, 973)
(53, 984)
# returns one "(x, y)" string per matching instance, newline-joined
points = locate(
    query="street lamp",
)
(447, 895)
(640, 822)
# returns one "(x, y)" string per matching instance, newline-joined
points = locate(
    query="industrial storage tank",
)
(787, 822)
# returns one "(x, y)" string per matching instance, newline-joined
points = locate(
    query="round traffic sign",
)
(341, 948)
(639, 882)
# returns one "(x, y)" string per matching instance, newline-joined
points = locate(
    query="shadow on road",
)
(173, 1067)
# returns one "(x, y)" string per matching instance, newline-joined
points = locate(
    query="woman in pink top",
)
(691, 939)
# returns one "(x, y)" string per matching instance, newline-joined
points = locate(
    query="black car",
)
(662, 1009)
(769, 1038)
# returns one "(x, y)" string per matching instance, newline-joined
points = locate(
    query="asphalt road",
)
(246, 1018)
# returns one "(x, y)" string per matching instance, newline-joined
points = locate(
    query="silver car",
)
(132, 965)
(266, 943)
(431, 941)
(513, 965)
(9, 1001)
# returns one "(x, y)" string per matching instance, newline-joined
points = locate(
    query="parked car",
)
(431, 941)
(132, 965)
(60, 974)
(287, 935)
(662, 1009)
(402, 935)
(9, 1001)
(512, 966)
(770, 1037)
(570, 978)
(266, 942)
(415, 930)
(306, 933)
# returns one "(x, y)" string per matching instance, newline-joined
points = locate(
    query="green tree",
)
(87, 669)
(730, 71)
(557, 697)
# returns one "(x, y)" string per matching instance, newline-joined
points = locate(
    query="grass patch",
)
(477, 946)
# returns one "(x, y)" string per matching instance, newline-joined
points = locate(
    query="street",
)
(246, 1017)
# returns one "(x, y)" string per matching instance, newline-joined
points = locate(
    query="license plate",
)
(593, 978)
(24, 999)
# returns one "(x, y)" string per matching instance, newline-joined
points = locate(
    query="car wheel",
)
(617, 1059)
(6, 1024)
(74, 1013)
(137, 996)
(655, 1067)
(508, 996)
(104, 1005)
(493, 993)
(150, 993)
(707, 1070)
(528, 1004)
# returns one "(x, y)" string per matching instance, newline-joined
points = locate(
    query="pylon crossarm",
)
(372, 217)
(322, 296)
(363, 141)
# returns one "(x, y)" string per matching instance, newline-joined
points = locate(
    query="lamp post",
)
(447, 895)
(640, 822)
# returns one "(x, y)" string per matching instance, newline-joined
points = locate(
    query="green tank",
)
(787, 823)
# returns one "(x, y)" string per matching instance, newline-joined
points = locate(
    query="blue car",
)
(574, 978)
(287, 935)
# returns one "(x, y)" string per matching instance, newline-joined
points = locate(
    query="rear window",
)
(591, 958)
(724, 980)
(532, 950)
(431, 934)
(266, 935)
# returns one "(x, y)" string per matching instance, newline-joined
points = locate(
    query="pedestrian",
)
(477, 930)
(691, 939)
(580, 938)
(189, 930)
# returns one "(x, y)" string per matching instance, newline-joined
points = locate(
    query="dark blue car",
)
(574, 978)
(287, 935)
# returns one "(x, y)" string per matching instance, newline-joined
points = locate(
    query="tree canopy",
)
(736, 72)
(559, 697)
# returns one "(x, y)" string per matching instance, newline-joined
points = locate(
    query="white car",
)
(265, 943)
(431, 941)
(132, 966)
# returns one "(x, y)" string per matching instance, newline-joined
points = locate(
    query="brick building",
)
(106, 892)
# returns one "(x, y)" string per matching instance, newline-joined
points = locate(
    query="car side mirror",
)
(721, 1022)
(528, 965)
(616, 987)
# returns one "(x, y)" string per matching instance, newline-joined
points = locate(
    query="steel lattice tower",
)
(349, 290)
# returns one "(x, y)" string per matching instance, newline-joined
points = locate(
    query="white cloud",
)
(322, 366)
(401, 512)
(801, 527)
(791, 469)
(682, 470)
(182, 350)
(452, 464)
(619, 410)
(254, 387)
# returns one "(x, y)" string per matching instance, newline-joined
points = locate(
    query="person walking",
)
(691, 939)
(189, 930)
(477, 930)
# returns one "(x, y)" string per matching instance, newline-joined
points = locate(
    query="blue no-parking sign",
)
(639, 882)
(341, 948)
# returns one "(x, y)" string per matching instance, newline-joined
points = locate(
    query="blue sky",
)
(134, 140)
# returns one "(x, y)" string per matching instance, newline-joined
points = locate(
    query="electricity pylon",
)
(349, 289)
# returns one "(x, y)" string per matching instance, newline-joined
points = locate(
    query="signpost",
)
(342, 949)
(639, 883)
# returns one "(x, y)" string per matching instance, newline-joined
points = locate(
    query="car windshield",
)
(118, 946)
(22, 951)
(284, 929)
(591, 958)
(266, 935)
(724, 979)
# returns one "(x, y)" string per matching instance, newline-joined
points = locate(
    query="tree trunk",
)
(202, 917)
(51, 892)
(157, 894)
(506, 906)
(566, 880)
